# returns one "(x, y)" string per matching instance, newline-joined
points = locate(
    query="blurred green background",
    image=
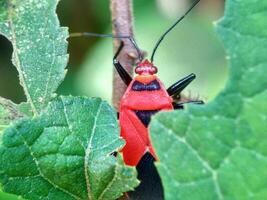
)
(192, 47)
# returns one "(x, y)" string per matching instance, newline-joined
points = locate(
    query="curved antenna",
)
(132, 40)
(164, 34)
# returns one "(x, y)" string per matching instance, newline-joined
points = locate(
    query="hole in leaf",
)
(81, 17)
(9, 80)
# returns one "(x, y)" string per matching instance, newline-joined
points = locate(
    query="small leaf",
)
(219, 151)
(66, 153)
(9, 112)
(39, 47)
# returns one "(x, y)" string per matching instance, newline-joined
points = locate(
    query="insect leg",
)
(178, 87)
(181, 105)
(126, 78)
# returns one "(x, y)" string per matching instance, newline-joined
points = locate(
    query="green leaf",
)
(66, 153)
(39, 47)
(6, 196)
(219, 151)
(9, 112)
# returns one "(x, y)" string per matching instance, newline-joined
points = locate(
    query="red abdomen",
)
(144, 97)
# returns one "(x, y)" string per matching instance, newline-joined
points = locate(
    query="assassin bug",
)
(145, 95)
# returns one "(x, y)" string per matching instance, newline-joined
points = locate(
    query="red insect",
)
(145, 95)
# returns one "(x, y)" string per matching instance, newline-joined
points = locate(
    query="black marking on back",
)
(145, 115)
(138, 86)
(151, 186)
(153, 85)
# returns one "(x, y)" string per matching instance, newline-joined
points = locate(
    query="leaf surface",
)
(39, 47)
(66, 153)
(219, 150)
(9, 112)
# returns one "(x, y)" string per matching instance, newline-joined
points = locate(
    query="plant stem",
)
(122, 24)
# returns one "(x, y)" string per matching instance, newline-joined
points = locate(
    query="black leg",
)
(126, 78)
(181, 105)
(178, 87)
(177, 106)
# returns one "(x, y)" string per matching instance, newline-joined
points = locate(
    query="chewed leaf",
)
(39, 47)
(219, 150)
(66, 153)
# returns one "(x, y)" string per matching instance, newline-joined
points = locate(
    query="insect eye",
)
(155, 70)
(138, 70)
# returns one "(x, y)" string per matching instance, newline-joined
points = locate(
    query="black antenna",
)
(164, 34)
(132, 40)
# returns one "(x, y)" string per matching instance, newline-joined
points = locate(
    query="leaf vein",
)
(110, 183)
(40, 171)
(204, 162)
(68, 122)
(87, 153)
(17, 59)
